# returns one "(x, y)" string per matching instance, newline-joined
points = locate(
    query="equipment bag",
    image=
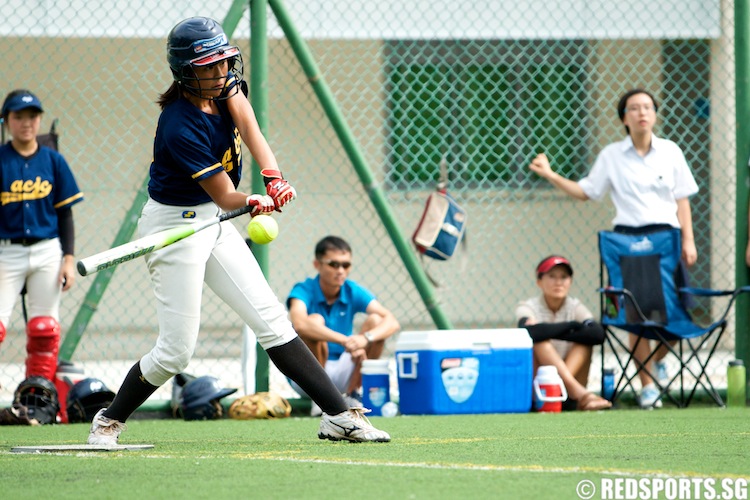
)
(441, 227)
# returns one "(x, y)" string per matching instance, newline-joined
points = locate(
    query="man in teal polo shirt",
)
(322, 310)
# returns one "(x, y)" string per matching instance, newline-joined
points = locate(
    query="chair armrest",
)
(716, 293)
(706, 292)
(610, 290)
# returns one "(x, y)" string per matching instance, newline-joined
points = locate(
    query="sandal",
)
(592, 402)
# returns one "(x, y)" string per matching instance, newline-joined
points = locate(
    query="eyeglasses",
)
(336, 264)
(636, 109)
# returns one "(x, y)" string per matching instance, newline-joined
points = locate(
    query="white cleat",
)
(105, 431)
(351, 425)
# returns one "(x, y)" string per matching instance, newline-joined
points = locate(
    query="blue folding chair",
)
(640, 296)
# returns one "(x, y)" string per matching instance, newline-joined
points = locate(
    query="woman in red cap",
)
(563, 330)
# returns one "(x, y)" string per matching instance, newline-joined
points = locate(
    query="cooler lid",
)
(444, 340)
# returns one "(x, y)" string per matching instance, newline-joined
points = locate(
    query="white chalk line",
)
(493, 468)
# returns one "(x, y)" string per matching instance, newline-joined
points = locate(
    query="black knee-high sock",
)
(295, 360)
(133, 392)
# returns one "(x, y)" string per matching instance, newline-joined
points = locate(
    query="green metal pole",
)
(102, 279)
(234, 14)
(374, 190)
(259, 98)
(742, 109)
(127, 229)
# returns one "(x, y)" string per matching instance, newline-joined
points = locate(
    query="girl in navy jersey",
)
(195, 172)
(36, 230)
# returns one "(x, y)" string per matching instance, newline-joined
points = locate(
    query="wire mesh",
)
(487, 84)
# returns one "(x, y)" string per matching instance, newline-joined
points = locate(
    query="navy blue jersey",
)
(190, 146)
(32, 189)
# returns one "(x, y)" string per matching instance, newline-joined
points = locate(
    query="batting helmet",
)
(86, 398)
(178, 385)
(200, 41)
(200, 399)
(39, 396)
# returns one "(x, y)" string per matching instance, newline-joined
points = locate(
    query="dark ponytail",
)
(173, 93)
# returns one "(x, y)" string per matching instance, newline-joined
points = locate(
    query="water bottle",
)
(549, 390)
(736, 388)
(608, 383)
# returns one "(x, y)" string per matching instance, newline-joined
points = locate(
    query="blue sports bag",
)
(441, 227)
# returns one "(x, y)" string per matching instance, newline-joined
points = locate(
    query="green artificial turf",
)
(471, 456)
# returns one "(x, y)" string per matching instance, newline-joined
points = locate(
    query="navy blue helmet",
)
(200, 41)
(87, 397)
(201, 399)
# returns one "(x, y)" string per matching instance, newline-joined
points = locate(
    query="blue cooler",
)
(464, 371)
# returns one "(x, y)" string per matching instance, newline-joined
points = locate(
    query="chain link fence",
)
(485, 84)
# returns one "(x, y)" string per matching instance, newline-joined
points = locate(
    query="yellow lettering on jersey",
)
(226, 161)
(26, 190)
(237, 144)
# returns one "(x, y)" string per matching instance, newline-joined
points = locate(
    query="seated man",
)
(563, 331)
(322, 310)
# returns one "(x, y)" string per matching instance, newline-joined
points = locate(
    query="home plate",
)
(56, 448)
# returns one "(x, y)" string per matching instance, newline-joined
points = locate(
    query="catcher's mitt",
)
(260, 405)
(17, 414)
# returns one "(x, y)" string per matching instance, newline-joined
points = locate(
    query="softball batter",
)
(196, 169)
(36, 230)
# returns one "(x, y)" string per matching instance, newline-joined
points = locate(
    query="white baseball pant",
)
(38, 266)
(218, 256)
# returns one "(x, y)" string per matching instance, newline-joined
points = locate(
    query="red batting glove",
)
(277, 188)
(263, 204)
(281, 192)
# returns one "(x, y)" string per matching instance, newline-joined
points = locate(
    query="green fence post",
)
(742, 109)
(234, 14)
(102, 279)
(259, 99)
